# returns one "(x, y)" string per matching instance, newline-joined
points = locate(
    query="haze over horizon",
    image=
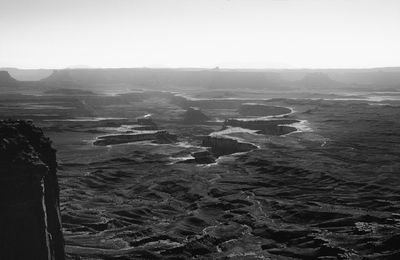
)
(193, 33)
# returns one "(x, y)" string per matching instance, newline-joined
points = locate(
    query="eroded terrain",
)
(305, 178)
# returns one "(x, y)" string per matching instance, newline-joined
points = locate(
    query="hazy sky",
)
(199, 33)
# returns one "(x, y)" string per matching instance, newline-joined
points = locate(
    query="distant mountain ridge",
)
(231, 79)
(377, 79)
(28, 74)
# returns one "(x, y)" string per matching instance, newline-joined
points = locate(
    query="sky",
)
(200, 33)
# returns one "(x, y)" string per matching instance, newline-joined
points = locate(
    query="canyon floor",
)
(320, 183)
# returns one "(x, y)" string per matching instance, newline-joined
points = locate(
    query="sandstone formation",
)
(29, 194)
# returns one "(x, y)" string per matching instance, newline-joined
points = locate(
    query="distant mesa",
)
(254, 109)
(222, 79)
(61, 78)
(194, 116)
(28, 74)
(319, 80)
(6, 80)
(60, 75)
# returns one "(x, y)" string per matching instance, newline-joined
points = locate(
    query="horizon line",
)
(205, 68)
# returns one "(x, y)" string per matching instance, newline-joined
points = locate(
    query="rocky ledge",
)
(29, 194)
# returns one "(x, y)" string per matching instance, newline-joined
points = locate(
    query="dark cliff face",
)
(30, 223)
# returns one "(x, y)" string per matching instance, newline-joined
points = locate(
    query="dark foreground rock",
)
(30, 224)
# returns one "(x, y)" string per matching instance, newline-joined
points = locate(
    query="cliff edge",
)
(30, 222)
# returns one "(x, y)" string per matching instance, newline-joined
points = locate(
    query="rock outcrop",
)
(223, 146)
(30, 222)
(194, 116)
